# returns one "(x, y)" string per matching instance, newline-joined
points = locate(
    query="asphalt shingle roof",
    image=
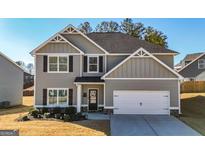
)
(116, 42)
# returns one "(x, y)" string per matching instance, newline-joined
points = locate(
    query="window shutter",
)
(70, 97)
(85, 63)
(44, 96)
(45, 63)
(70, 63)
(100, 63)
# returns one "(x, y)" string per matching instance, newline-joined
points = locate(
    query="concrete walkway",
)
(149, 125)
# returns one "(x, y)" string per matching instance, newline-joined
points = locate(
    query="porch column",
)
(79, 95)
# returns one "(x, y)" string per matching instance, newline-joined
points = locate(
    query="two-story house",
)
(193, 67)
(105, 71)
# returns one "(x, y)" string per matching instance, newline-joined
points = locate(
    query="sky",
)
(18, 37)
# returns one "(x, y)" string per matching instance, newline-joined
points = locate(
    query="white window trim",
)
(67, 104)
(88, 64)
(58, 64)
(201, 64)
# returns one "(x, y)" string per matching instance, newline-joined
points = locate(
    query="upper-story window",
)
(93, 64)
(201, 64)
(58, 64)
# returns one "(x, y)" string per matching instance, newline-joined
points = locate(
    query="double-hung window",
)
(57, 97)
(93, 64)
(58, 63)
(201, 64)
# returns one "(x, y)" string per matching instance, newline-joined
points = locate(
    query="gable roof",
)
(192, 56)
(117, 42)
(142, 52)
(192, 62)
(11, 61)
(52, 38)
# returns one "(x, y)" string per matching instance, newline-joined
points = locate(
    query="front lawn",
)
(49, 128)
(193, 110)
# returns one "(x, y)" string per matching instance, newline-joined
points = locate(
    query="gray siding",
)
(112, 61)
(191, 71)
(167, 59)
(11, 82)
(141, 68)
(57, 48)
(100, 94)
(55, 80)
(83, 44)
(166, 85)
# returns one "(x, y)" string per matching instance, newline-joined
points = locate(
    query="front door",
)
(93, 95)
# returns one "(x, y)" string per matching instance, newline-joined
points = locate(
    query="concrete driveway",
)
(149, 125)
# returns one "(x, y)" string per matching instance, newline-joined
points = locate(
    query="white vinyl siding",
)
(58, 64)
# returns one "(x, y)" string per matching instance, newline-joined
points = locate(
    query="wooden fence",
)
(193, 86)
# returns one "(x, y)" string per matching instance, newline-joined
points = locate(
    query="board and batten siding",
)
(141, 68)
(112, 61)
(84, 44)
(55, 80)
(142, 85)
(11, 82)
(58, 48)
(167, 59)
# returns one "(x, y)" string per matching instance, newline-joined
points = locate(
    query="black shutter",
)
(85, 63)
(44, 96)
(45, 63)
(70, 63)
(70, 96)
(100, 63)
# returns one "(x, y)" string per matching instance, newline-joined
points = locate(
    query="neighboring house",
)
(28, 78)
(105, 71)
(194, 67)
(11, 81)
(187, 59)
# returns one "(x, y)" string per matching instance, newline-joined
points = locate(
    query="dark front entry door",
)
(93, 95)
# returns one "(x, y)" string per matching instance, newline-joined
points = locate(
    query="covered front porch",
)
(90, 94)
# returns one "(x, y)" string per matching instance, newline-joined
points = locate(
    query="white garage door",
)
(141, 102)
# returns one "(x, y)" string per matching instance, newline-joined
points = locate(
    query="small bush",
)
(23, 118)
(47, 115)
(55, 110)
(43, 110)
(70, 110)
(58, 116)
(34, 113)
(67, 118)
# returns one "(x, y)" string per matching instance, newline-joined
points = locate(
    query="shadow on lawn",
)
(15, 110)
(194, 106)
(98, 125)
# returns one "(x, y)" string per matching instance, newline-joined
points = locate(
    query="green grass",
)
(193, 111)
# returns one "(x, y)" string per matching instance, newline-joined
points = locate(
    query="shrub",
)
(57, 116)
(43, 110)
(70, 110)
(47, 115)
(34, 113)
(55, 110)
(23, 118)
(67, 118)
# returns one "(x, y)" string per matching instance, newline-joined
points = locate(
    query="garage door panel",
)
(141, 102)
